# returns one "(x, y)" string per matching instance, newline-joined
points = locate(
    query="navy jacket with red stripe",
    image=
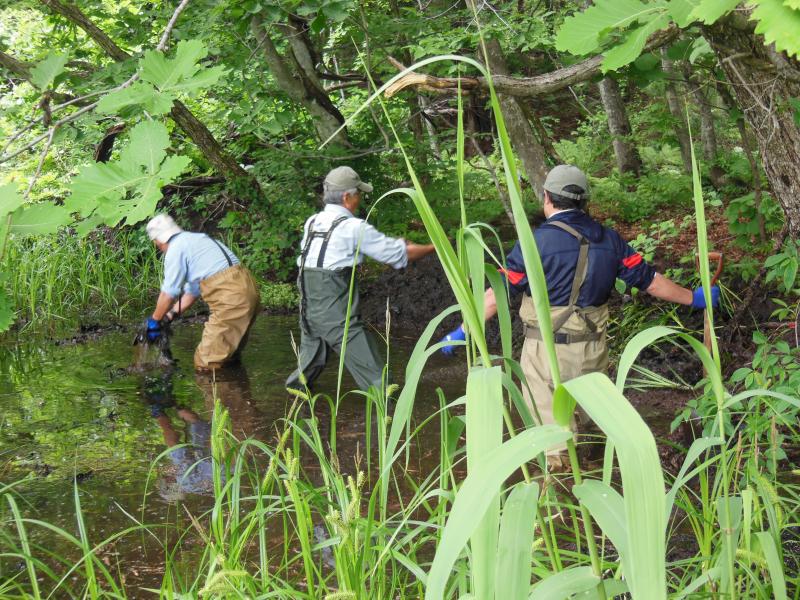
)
(609, 257)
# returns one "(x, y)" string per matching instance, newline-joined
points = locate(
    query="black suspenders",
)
(221, 249)
(310, 237)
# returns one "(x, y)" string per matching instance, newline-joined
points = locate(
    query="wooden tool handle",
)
(720, 258)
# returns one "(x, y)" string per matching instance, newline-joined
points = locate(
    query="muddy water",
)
(78, 412)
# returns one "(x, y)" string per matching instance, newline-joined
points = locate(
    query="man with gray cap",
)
(581, 260)
(334, 241)
(197, 265)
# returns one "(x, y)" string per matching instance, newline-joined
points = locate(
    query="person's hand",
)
(153, 330)
(457, 335)
(699, 299)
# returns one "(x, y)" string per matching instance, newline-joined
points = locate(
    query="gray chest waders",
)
(581, 269)
(325, 236)
(325, 296)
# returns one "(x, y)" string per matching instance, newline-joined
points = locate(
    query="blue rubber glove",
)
(457, 335)
(153, 329)
(699, 299)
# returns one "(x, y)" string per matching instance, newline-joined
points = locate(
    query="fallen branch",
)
(521, 87)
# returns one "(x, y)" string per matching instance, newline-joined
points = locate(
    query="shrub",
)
(279, 297)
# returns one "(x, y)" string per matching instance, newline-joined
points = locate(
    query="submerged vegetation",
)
(287, 515)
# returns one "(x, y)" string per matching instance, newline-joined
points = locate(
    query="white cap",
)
(162, 228)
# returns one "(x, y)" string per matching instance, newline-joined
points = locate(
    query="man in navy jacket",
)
(581, 260)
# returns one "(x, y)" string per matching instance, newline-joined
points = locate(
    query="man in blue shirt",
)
(334, 240)
(196, 265)
(581, 260)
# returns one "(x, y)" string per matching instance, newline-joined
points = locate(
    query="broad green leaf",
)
(139, 94)
(10, 199)
(779, 24)
(793, 4)
(729, 515)
(142, 202)
(477, 494)
(565, 584)
(624, 53)
(205, 78)
(774, 564)
(45, 72)
(484, 435)
(147, 146)
(7, 315)
(708, 11)
(680, 11)
(165, 72)
(517, 525)
(172, 167)
(608, 509)
(612, 587)
(39, 219)
(102, 180)
(182, 73)
(642, 481)
(580, 33)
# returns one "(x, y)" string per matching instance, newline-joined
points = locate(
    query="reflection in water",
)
(190, 469)
(79, 409)
(231, 386)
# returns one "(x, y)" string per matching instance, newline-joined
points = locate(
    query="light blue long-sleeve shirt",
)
(190, 258)
(349, 235)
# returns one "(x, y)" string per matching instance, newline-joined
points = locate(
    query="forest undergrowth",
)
(724, 525)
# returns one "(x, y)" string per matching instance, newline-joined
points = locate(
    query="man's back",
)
(610, 257)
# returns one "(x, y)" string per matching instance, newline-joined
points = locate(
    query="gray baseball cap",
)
(342, 179)
(564, 175)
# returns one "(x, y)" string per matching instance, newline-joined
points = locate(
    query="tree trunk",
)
(708, 132)
(678, 110)
(225, 164)
(764, 82)
(747, 145)
(300, 85)
(17, 67)
(519, 128)
(628, 160)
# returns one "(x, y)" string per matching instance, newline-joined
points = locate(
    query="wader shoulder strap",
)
(327, 238)
(221, 249)
(581, 269)
(313, 235)
(310, 237)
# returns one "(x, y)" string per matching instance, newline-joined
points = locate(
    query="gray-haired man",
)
(332, 239)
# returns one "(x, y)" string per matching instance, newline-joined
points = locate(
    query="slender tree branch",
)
(162, 44)
(522, 87)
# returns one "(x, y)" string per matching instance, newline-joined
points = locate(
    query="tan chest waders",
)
(580, 336)
(233, 301)
(324, 296)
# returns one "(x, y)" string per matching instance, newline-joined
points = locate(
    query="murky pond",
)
(76, 412)
(137, 442)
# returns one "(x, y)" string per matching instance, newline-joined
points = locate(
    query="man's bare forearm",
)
(666, 289)
(164, 303)
(417, 251)
(167, 303)
(184, 303)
